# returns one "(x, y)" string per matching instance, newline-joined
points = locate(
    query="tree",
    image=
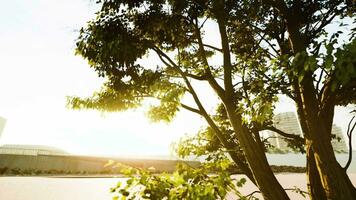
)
(267, 48)
(317, 93)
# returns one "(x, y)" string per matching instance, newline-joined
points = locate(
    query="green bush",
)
(185, 183)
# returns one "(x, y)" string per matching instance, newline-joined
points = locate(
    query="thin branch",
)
(211, 80)
(327, 95)
(201, 26)
(250, 196)
(194, 110)
(237, 159)
(236, 84)
(349, 135)
(325, 85)
(270, 137)
(210, 46)
(245, 91)
(270, 45)
(284, 134)
(297, 190)
(319, 80)
(201, 46)
(164, 61)
(192, 91)
(196, 77)
(325, 21)
(226, 58)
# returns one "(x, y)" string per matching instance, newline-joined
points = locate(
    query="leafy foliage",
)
(185, 183)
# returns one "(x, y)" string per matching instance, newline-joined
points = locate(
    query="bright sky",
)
(38, 70)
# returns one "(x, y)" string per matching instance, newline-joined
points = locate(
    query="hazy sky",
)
(38, 70)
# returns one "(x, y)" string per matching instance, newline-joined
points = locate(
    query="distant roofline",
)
(33, 146)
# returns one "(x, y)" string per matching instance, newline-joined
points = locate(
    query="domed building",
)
(33, 150)
(23, 149)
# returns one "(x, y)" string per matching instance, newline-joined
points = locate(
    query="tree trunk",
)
(239, 161)
(316, 124)
(256, 158)
(321, 160)
(315, 187)
(318, 119)
(334, 179)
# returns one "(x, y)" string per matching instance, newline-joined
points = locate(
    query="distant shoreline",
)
(73, 174)
(84, 166)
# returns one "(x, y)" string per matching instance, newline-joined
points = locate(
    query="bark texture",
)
(256, 158)
(315, 187)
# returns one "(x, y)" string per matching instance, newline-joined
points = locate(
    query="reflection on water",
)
(300, 160)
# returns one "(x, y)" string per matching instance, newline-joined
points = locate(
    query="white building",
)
(289, 123)
(338, 143)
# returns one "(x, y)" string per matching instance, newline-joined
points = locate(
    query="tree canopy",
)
(266, 48)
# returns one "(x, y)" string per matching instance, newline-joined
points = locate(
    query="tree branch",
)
(211, 80)
(325, 21)
(194, 110)
(284, 134)
(209, 46)
(201, 110)
(227, 61)
(349, 135)
(269, 43)
(196, 77)
(319, 79)
(245, 91)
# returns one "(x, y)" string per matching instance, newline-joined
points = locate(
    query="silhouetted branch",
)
(319, 79)
(212, 47)
(211, 80)
(284, 134)
(349, 135)
(209, 46)
(327, 18)
(170, 63)
(250, 196)
(191, 109)
(196, 77)
(202, 24)
(270, 45)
